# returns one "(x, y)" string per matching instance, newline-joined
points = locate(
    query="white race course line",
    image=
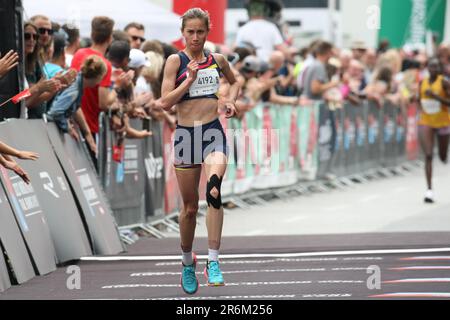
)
(419, 280)
(251, 297)
(149, 274)
(421, 268)
(413, 295)
(425, 258)
(304, 296)
(280, 260)
(270, 255)
(233, 284)
(228, 284)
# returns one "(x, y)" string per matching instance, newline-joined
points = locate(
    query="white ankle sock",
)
(187, 258)
(213, 255)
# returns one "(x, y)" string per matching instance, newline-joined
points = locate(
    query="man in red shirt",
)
(101, 97)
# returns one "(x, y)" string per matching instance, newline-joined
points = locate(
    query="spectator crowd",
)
(72, 79)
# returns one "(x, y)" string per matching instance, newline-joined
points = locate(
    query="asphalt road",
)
(368, 242)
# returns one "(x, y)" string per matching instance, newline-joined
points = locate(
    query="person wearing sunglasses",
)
(45, 31)
(42, 90)
(136, 31)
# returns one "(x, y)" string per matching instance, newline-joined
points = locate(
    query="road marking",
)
(274, 260)
(370, 198)
(401, 189)
(413, 295)
(339, 281)
(151, 274)
(295, 219)
(421, 268)
(255, 233)
(270, 255)
(426, 258)
(420, 280)
(228, 284)
(252, 297)
(33, 213)
(228, 297)
(336, 208)
(349, 269)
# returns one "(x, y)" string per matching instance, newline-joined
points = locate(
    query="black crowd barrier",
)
(62, 215)
(5, 283)
(364, 137)
(11, 38)
(12, 242)
(80, 173)
(134, 180)
(350, 140)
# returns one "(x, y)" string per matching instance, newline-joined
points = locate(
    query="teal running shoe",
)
(213, 274)
(189, 281)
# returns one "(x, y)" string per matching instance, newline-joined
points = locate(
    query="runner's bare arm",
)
(233, 91)
(169, 94)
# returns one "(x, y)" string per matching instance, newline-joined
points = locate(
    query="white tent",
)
(160, 24)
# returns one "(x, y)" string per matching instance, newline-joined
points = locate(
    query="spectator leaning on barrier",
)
(98, 98)
(316, 80)
(6, 160)
(67, 104)
(42, 90)
(136, 31)
(45, 30)
(270, 78)
(73, 45)
(8, 62)
(58, 61)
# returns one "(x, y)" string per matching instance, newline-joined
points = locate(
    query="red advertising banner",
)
(216, 9)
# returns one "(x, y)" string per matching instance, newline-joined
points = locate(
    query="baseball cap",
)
(251, 64)
(359, 45)
(138, 59)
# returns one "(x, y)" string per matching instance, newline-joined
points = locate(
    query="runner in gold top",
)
(434, 120)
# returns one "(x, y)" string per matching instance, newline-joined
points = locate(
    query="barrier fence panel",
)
(412, 132)
(27, 208)
(308, 140)
(400, 135)
(51, 190)
(361, 137)
(154, 168)
(74, 159)
(326, 138)
(228, 179)
(338, 164)
(125, 177)
(271, 146)
(260, 142)
(349, 138)
(374, 135)
(362, 127)
(13, 242)
(389, 139)
(5, 283)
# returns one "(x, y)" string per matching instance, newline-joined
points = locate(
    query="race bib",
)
(207, 82)
(431, 106)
